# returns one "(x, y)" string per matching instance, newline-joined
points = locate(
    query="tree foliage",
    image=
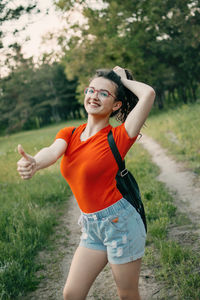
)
(158, 40)
(13, 11)
(12, 23)
(31, 97)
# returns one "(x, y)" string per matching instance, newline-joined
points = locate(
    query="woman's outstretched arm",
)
(139, 113)
(28, 165)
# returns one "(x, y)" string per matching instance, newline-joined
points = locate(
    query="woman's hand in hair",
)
(120, 71)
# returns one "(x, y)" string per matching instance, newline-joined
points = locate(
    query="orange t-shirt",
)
(90, 168)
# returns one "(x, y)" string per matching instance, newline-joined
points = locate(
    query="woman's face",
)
(97, 101)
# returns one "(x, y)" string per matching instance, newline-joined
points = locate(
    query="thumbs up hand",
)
(26, 165)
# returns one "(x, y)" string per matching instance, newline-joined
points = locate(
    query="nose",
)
(95, 94)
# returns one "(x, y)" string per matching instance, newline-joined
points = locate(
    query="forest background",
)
(157, 40)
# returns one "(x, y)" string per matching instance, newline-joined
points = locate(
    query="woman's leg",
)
(86, 265)
(127, 278)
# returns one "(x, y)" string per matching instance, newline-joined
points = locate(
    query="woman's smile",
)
(93, 103)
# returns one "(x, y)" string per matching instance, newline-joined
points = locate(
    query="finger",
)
(24, 169)
(25, 173)
(33, 164)
(22, 152)
(23, 163)
(117, 68)
(25, 177)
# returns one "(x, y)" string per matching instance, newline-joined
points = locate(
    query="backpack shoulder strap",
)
(117, 156)
(73, 130)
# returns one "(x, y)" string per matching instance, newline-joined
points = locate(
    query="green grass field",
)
(30, 209)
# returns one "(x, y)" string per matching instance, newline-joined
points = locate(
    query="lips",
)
(93, 103)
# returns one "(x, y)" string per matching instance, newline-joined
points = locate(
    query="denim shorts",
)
(117, 229)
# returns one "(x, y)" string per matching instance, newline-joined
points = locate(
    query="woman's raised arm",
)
(139, 113)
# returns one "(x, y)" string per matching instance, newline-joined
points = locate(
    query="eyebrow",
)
(100, 89)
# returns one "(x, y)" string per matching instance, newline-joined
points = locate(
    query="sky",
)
(42, 24)
(38, 26)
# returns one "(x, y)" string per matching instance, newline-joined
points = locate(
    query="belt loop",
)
(94, 217)
(81, 221)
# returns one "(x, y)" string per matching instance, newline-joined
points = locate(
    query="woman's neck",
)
(94, 125)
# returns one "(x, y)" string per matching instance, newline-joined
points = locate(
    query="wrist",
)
(36, 165)
(127, 82)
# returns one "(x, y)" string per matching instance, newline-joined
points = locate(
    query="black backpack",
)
(126, 183)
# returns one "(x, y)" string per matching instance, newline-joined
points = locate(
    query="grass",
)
(29, 212)
(178, 131)
(176, 265)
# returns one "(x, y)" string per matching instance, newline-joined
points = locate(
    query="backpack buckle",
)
(124, 172)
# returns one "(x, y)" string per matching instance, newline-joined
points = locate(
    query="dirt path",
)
(179, 181)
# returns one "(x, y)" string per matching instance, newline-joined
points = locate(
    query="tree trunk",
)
(159, 98)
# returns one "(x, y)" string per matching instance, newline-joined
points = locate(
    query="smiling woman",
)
(112, 230)
(101, 94)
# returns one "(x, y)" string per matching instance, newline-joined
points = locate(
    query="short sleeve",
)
(122, 139)
(65, 134)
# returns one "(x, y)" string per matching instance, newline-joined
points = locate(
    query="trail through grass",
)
(178, 131)
(175, 264)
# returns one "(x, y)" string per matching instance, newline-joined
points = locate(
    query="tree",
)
(31, 96)
(13, 11)
(156, 39)
(11, 14)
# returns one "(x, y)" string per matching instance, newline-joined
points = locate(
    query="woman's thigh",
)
(127, 278)
(85, 267)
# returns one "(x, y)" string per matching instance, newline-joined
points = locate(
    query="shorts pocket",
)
(118, 223)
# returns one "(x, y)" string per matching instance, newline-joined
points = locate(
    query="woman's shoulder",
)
(118, 129)
(122, 139)
(121, 131)
(66, 132)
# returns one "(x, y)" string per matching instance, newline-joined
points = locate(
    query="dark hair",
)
(129, 100)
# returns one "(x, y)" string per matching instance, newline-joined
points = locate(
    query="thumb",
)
(22, 152)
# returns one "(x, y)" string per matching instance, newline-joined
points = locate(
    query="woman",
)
(112, 230)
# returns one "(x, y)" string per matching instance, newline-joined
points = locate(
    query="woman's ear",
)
(117, 105)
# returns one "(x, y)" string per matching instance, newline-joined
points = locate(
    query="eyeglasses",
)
(102, 94)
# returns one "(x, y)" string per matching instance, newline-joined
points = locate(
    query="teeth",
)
(93, 104)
